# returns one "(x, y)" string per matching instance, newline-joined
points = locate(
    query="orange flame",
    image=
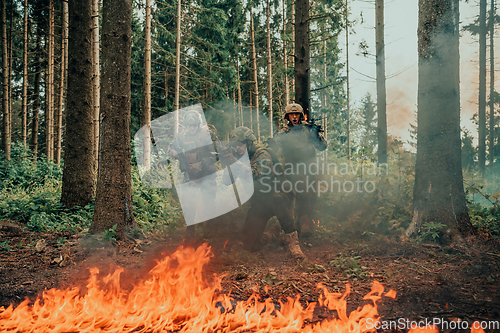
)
(176, 298)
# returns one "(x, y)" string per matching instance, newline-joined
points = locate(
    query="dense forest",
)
(81, 78)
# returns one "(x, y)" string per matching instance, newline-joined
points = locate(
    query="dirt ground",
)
(430, 281)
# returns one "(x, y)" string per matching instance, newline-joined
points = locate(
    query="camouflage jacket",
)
(299, 143)
(196, 152)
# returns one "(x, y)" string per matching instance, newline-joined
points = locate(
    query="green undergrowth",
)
(30, 194)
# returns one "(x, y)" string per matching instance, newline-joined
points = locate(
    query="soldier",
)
(298, 141)
(198, 163)
(264, 203)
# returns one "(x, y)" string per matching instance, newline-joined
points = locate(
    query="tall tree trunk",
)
(62, 86)
(348, 95)
(269, 72)
(96, 78)
(250, 108)
(292, 83)
(36, 93)
(9, 50)
(256, 83)
(78, 173)
(147, 88)
(285, 57)
(166, 85)
(324, 74)
(381, 92)
(24, 105)
(302, 69)
(177, 66)
(49, 112)
(113, 204)
(240, 104)
(5, 76)
(438, 193)
(482, 86)
(492, 84)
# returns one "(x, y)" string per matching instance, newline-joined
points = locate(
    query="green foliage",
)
(110, 234)
(20, 171)
(432, 233)
(349, 267)
(30, 193)
(486, 219)
(155, 210)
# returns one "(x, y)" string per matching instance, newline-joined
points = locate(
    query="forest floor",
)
(431, 281)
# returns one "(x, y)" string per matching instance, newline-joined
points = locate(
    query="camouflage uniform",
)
(298, 146)
(198, 163)
(265, 204)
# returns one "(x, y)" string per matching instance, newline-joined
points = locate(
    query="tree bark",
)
(285, 57)
(256, 83)
(492, 85)
(240, 104)
(147, 88)
(292, 83)
(62, 86)
(78, 173)
(302, 69)
(482, 87)
(24, 105)
(5, 76)
(269, 72)
(49, 114)
(96, 78)
(113, 204)
(438, 193)
(381, 91)
(36, 93)
(177, 67)
(348, 95)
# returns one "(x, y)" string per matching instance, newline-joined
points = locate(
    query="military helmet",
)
(192, 118)
(241, 134)
(294, 108)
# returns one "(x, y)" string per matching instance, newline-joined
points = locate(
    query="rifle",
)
(316, 127)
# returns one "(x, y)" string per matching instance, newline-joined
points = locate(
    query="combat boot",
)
(271, 235)
(305, 227)
(292, 241)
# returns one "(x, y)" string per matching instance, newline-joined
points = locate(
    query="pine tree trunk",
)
(256, 83)
(302, 69)
(269, 73)
(381, 92)
(147, 88)
(482, 87)
(250, 108)
(324, 72)
(177, 66)
(36, 93)
(292, 84)
(438, 192)
(78, 173)
(166, 86)
(5, 76)
(62, 86)
(24, 104)
(96, 78)
(113, 204)
(285, 58)
(49, 116)
(240, 104)
(492, 84)
(348, 94)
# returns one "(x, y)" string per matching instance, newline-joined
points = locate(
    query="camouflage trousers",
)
(264, 206)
